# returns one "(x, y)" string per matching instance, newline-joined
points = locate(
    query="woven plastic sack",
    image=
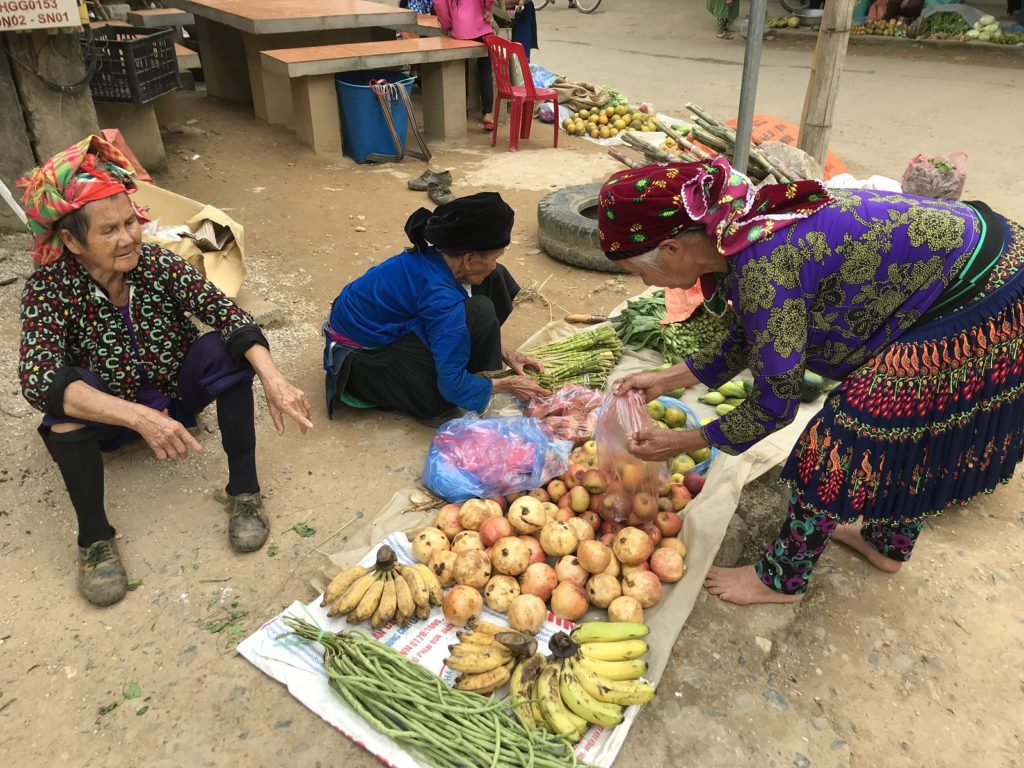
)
(472, 457)
(939, 177)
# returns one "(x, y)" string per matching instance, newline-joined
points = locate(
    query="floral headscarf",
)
(638, 208)
(92, 169)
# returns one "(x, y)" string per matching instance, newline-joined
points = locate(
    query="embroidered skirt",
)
(934, 420)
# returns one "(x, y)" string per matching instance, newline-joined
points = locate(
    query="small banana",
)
(609, 631)
(520, 688)
(476, 638)
(631, 669)
(420, 590)
(478, 661)
(430, 579)
(341, 582)
(616, 650)
(480, 625)
(583, 704)
(350, 599)
(621, 692)
(369, 602)
(484, 683)
(560, 720)
(388, 602)
(405, 605)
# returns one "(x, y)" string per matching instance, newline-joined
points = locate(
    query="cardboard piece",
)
(216, 245)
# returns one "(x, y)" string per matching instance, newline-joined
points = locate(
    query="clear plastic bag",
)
(939, 177)
(632, 484)
(472, 457)
(569, 413)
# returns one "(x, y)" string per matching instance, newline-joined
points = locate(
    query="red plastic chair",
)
(523, 97)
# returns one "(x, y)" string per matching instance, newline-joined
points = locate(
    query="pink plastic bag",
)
(632, 484)
(939, 177)
(569, 413)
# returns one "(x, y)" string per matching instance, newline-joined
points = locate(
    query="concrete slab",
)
(187, 58)
(330, 59)
(276, 17)
(160, 17)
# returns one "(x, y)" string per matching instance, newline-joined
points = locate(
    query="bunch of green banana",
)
(488, 659)
(728, 396)
(387, 591)
(593, 675)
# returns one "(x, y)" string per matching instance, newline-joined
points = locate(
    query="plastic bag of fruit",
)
(939, 177)
(472, 457)
(633, 484)
(569, 413)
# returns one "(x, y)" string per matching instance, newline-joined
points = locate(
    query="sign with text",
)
(38, 14)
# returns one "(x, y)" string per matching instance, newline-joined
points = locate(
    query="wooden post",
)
(829, 58)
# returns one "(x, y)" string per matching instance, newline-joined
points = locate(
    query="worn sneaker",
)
(425, 180)
(441, 195)
(101, 576)
(248, 528)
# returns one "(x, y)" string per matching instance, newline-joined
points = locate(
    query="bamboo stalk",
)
(624, 160)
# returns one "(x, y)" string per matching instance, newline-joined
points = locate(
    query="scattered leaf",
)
(272, 550)
(305, 531)
(134, 584)
(142, 710)
(110, 707)
(132, 691)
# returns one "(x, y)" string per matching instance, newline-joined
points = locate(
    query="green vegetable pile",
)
(948, 22)
(584, 358)
(439, 726)
(640, 327)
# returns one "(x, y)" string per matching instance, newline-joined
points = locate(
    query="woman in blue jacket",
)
(415, 333)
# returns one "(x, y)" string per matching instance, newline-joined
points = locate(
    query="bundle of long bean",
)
(438, 725)
(584, 358)
(641, 326)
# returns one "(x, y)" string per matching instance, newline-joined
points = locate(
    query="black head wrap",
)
(480, 222)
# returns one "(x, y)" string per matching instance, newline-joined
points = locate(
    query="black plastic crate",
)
(135, 64)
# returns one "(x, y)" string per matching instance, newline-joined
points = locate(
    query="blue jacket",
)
(415, 293)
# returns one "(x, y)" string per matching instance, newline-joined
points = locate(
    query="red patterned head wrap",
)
(639, 208)
(93, 169)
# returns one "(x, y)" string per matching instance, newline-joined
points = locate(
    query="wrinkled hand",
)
(283, 398)
(167, 438)
(519, 363)
(651, 384)
(523, 387)
(654, 444)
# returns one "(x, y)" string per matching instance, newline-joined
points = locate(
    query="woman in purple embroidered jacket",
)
(915, 305)
(109, 352)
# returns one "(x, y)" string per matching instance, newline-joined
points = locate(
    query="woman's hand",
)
(284, 398)
(655, 444)
(523, 387)
(653, 385)
(167, 438)
(519, 362)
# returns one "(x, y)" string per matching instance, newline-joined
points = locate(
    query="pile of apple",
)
(568, 546)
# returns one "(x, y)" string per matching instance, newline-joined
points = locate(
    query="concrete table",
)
(233, 32)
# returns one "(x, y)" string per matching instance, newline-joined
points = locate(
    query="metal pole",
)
(748, 85)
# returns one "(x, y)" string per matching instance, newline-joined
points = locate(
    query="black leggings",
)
(486, 76)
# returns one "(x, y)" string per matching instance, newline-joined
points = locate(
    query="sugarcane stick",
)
(624, 160)
(639, 144)
(711, 141)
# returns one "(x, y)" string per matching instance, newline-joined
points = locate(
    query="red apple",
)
(680, 497)
(595, 481)
(665, 504)
(510, 497)
(653, 531)
(596, 500)
(670, 523)
(501, 501)
(565, 513)
(593, 518)
(540, 494)
(611, 526)
(557, 489)
(694, 483)
(645, 506)
(608, 539)
(563, 501)
(494, 528)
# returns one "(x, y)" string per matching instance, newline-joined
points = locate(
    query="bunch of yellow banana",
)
(487, 657)
(387, 591)
(592, 677)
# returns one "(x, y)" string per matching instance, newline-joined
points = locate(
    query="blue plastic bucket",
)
(364, 130)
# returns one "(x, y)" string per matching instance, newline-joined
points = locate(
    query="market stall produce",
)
(641, 325)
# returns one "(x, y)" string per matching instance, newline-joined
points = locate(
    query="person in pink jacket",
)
(471, 20)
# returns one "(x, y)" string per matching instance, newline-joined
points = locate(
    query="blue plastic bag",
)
(692, 421)
(472, 457)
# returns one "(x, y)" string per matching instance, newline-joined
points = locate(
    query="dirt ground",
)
(923, 668)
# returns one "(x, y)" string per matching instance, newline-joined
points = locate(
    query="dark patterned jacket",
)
(67, 322)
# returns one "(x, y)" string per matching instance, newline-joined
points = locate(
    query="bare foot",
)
(849, 535)
(742, 587)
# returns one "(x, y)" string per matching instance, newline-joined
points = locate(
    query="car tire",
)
(566, 231)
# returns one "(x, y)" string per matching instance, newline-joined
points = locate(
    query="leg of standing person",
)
(885, 545)
(486, 77)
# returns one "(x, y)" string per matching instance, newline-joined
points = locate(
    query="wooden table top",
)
(280, 16)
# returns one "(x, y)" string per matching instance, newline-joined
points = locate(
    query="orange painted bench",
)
(311, 72)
